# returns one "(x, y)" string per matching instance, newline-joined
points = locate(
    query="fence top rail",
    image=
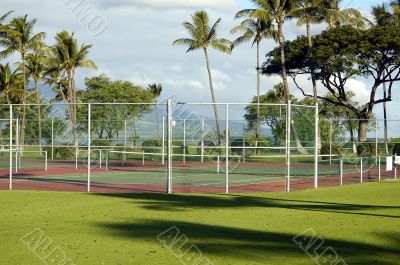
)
(159, 104)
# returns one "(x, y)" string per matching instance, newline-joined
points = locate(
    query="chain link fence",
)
(177, 147)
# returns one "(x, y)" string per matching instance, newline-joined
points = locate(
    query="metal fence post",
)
(52, 139)
(376, 142)
(341, 172)
(379, 168)
(288, 137)
(89, 146)
(202, 139)
(316, 146)
(125, 139)
(361, 170)
(227, 148)
(17, 153)
(163, 141)
(330, 142)
(11, 147)
(244, 144)
(184, 141)
(169, 149)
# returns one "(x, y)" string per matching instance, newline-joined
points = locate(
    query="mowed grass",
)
(360, 222)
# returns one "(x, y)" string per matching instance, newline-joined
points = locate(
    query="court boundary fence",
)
(167, 132)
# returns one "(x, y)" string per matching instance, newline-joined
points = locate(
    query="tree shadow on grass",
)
(181, 202)
(257, 246)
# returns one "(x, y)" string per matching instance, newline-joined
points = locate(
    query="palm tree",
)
(279, 11)
(255, 30)
(67, 56)
(35, 65)
(334, 16)
(8, 79)
(308, 12)
(3, 28)
(19, 37)
(202, 36)
(156, 90)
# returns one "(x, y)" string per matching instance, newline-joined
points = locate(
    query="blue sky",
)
(136, 46)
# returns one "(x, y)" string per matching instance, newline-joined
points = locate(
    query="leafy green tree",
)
(108, 119)
(19, 37)
(255, 30)
(202, 36)
(341, 54)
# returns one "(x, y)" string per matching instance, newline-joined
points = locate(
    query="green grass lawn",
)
(360, 222)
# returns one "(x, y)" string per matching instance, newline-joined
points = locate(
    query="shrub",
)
(148, 146)
(366, 149)
(101, 143)
(325, 149)
(61, 152)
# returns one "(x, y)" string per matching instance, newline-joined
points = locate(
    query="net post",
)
(341, 171)
(202, 140)
(316, 146)
(379, 168)
(330, 142)
(11, 147)
(395, 166)
(163, 141)
(361, 170)
(218, 165)
(227, 148)
(143, 158)
(89, 146)
(107, 158)
(184, 141)
(169, 149)
(52, 139)
(288, 137)
(100, 157)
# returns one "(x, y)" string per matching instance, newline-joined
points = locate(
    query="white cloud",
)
(227, 5)
(360, 90)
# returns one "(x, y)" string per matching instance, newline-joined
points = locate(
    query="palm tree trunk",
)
(39, 113)
(385, 118)
(258, 95)
(300, 148)
(24, 97)
(213, 97)
(283, 60)
(314, 82)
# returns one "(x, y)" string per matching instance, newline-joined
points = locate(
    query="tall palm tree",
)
(35, 63)
(8, 79)
(67, 57)
(255, 30)
(156, 90)
(308, 12)
(278, 11)
(334, 16)
(19, 37)
(202, 36)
